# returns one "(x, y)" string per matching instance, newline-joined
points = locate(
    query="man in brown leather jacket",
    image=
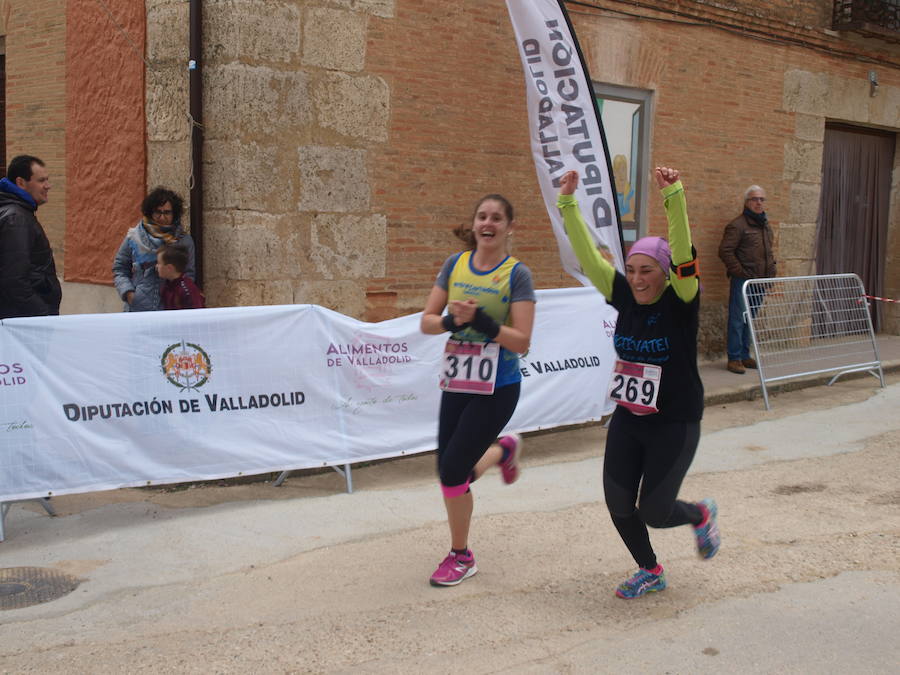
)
(746, 250)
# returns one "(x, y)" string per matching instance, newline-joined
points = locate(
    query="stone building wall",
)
(291, 117)
(345, 138)
(814, 98)
(732, 111)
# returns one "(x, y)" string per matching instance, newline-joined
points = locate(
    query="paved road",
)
(307, 579)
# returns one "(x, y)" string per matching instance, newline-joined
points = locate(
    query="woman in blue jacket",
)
(134, 268)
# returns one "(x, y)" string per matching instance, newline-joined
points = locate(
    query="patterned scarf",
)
(147, 238)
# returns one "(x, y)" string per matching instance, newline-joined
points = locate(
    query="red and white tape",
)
(875, 297)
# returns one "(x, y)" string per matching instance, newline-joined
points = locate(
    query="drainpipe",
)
(196, 109)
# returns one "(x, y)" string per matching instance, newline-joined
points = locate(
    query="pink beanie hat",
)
(655, 247)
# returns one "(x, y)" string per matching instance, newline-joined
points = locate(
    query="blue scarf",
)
(757, 218)
(8, 186)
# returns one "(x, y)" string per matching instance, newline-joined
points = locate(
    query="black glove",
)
(485, 324)
(448, 323)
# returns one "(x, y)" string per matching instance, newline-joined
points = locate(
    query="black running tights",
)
(469, 424)
(646, 460)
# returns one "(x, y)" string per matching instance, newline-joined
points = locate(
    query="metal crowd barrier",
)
(4, 509)
(811, 325)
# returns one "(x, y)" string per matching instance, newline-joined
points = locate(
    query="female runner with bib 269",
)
(655, 429)
(490, 300)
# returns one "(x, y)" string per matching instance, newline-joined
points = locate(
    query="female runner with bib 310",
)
(490, 300)
(655, 429)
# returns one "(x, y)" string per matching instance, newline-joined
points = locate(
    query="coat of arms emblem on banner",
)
(186, 365)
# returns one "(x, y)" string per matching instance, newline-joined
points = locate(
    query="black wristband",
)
(686, 269)
(483, 323)
(448, 324)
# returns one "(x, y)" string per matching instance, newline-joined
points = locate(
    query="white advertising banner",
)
(566, 131)
(96, 402)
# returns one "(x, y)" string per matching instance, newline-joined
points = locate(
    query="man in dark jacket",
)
(746, 250)
(28, 282)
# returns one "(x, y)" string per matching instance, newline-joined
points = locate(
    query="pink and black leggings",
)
(468, 425)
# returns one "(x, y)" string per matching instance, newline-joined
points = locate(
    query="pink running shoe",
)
(454, 569)
(510, 468)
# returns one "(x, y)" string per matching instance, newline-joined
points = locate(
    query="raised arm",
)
(686, 285)
(595, 267)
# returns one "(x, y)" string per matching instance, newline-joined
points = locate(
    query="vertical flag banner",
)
(566, 131)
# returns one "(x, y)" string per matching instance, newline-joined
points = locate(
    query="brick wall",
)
(459, 127)
(459, 130)
(3, 162)
(36, 103)
(778, 16)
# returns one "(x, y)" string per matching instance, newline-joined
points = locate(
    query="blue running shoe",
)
(643, 581)
(707, 533)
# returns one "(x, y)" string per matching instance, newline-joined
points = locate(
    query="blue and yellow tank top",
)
(491, 290)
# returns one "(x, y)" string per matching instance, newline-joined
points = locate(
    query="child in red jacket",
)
(178, 291)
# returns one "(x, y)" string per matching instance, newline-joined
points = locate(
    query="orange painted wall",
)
(106, 153)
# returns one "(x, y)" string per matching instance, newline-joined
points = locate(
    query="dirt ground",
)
(543, 448)
(817, 536)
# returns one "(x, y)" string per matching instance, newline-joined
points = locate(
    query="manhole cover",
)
(26, 586)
